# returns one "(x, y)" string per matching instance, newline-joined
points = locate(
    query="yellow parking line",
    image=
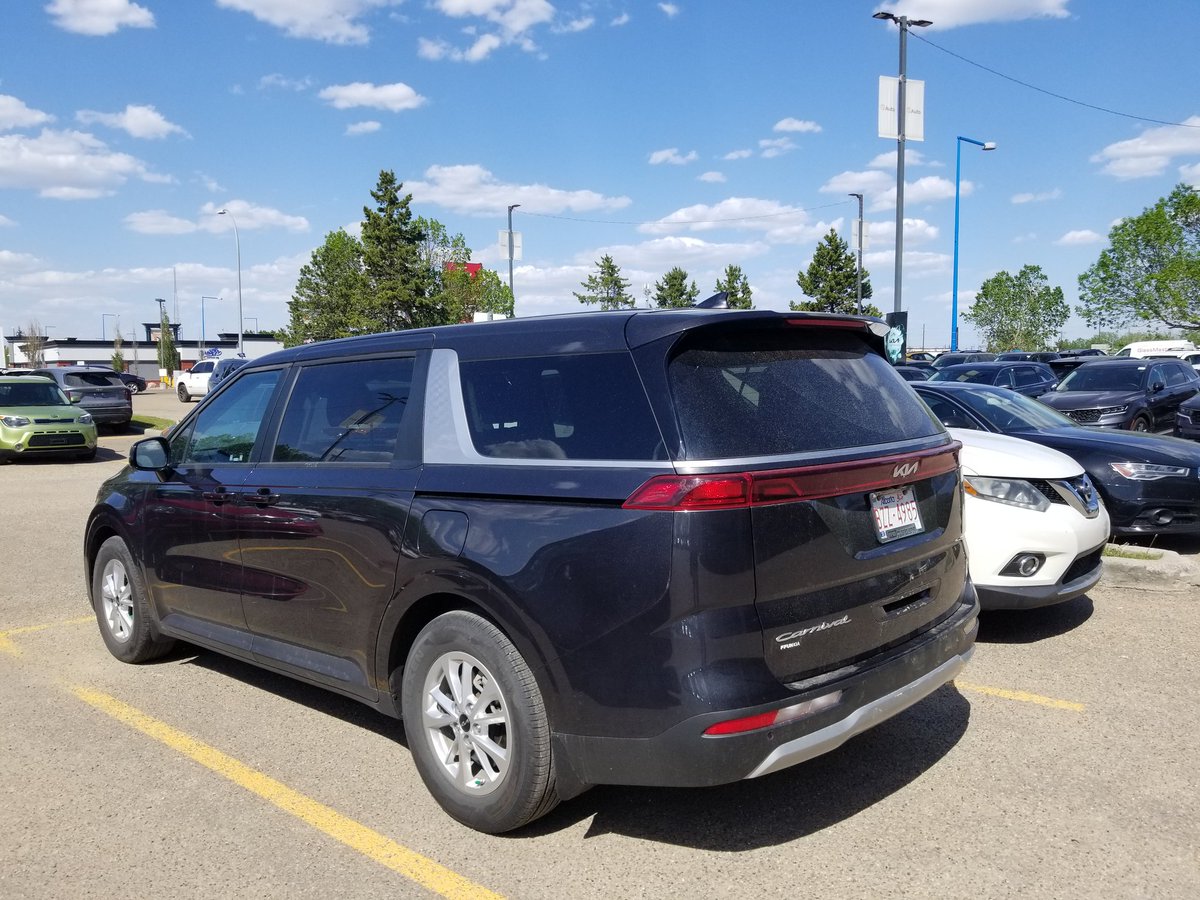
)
(372, 844)
(10, 647)
(1020, 696)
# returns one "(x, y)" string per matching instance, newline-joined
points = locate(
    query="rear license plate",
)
(895, 514)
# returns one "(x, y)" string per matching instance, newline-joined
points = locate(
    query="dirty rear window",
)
(780, 392)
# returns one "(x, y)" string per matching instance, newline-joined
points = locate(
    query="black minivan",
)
(679, 547)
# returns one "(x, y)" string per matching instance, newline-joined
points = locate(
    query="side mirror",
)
(150, 455)
(1157, 387)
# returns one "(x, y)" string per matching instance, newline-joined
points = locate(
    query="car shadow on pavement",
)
(1026, 626)
(787, 805)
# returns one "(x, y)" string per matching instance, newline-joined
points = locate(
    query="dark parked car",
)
(1187, 419)
(223, 369)
(1138, 394)
(1086, 352)
(958, 358)
(681, 547)
(1041, 356)
(135, 383)
(1150, 483)
(1028, 378)
(914, 373)
(96, 390)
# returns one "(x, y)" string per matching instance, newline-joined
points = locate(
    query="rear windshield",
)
(773, 393)
(92, 379)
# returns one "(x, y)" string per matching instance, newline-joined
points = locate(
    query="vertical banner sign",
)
(897, 337)
(889, 99)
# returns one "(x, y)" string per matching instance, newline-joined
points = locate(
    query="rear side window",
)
(348, 412)
(790, 391)
(586, 406)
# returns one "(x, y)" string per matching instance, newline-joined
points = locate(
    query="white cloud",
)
(473, 190)
(1079, 238)
(514, 18)
(622, 19)
(912, 158)
(282, 82)
(391, 97)
(14, 262)
(6, 222)
(738, 154)
(797, 125)
(331, 21)
(711, 177)
(96, 18)
(772, 147)
(1151, 152)
(249, 218)
(947, 14)
(1190, 174)
(15, 114)
(672, 156)
(670, 9)
(137, 121)
(367, 127)
(576, 25)
(780, 224)
(916, 232)
(1042, 197)
(159, 221)
(879, 188)
(65, 165)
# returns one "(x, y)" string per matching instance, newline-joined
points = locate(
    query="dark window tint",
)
(347, 412)
(789, 391)
(589, 406)
(92, 379)
(944, 409)
(225, 430)
(1027, 376)
(1178, 376)
(25, 394)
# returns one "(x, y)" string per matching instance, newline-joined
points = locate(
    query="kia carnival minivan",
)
(677, 548)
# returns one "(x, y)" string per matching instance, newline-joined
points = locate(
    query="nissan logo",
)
(903, 470)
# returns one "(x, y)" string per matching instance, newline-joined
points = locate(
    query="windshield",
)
(1104, 378)
(1010, 411)
(24, 394)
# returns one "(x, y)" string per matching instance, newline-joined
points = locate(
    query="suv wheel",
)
(183, 394)
(121, 607)
(476, 724)
(1139, 423)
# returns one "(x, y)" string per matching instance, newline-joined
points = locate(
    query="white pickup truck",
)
(194, 382)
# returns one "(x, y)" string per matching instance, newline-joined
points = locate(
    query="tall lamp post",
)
(238, 243)
(510, 251)
(901, 114)
(860, 249)
(986, 145)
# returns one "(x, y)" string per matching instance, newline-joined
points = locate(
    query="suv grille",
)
(1084, 416)
(56, 439)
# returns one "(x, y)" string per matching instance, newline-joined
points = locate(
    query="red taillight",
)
(776, 716)
(730, 491)
(750, 723)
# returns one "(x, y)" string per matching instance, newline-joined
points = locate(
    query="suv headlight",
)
(1114, 410)
(14, 421)
(1147, 471)
(85, 418)
(1010, 491)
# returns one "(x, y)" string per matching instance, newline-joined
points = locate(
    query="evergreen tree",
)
(737, 286)
(168, 356)
(398, 280)
(606, 287)
(674, 292)
(330, 299)
(831, 280)
(118, 358)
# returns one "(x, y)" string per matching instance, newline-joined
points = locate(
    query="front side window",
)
(226, 429)
(786, 391)
(347, 412)
(26, 394)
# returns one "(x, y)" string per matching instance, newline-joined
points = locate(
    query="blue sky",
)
(691, 133)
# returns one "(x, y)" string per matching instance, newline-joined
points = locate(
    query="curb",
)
(1171, 572)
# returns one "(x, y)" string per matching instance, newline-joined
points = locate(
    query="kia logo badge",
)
(903, 470)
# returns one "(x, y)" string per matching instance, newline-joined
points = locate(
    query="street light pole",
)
(901, 115)
(986, 145)
(238, 243)
(860, 249)
(510, 252)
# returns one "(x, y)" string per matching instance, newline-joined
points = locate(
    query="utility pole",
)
(860, 249)
(510, 253)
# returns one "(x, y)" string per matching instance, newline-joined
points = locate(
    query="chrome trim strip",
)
(832, 736)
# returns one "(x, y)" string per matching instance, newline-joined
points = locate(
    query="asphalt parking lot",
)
(1062, 763)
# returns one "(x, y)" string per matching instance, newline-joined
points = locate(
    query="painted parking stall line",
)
(376, 847)
(1020, 696)
(9, 646)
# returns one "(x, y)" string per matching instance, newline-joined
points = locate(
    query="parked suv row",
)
(650, 548)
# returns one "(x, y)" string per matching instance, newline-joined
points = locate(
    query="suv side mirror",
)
(1156, 387)
(150, 455)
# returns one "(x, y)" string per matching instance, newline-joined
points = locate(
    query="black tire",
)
(509, 780)
(1139, 423)
(87, 454)
(184, 397)
(122, 610)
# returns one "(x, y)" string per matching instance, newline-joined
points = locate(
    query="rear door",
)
(855, 516)
(322, 517)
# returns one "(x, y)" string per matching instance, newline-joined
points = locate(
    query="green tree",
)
(330, 296)
(168, 356)
(437, 248)
(673, 291)
(738, 287)
(606, 287)
(118, 358)
(34, 347)
(831, 280)
(1020, 311)
(1150, 272)
(465, 294)
(397, 277)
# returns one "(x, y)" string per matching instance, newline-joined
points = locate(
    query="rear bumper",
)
(871, 691)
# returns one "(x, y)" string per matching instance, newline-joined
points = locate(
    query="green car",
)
(37, 419)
